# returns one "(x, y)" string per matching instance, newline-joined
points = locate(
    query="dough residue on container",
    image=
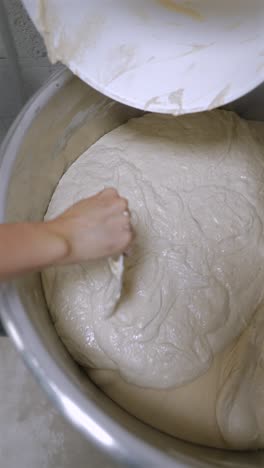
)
(178, 324)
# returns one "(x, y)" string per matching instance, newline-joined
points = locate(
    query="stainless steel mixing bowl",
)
(48, 135)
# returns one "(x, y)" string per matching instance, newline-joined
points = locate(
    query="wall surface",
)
(33, 63)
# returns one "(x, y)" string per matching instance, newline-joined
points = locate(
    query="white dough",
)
(193, 283)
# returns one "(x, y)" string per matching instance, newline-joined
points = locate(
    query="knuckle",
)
(110, 191)
(114, 192)
(127, 238)
(125, 203)
(122, 204)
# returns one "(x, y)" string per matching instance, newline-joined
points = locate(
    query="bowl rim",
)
(90, 420)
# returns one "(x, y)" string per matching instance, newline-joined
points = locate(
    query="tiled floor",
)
(33, 434)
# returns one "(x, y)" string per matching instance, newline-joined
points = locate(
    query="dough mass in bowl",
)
(176, 336)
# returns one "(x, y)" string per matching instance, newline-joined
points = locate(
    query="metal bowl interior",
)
(50, 133)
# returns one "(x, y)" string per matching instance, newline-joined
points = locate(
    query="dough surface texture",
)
(178, 314)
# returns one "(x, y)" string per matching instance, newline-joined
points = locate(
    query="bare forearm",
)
(93, 228)
(26, 247)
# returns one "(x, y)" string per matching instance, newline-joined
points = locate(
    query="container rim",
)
(91, 421)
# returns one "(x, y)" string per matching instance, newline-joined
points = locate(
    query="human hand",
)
(94, 228)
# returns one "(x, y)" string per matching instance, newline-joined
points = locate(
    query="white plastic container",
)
(169, 56)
